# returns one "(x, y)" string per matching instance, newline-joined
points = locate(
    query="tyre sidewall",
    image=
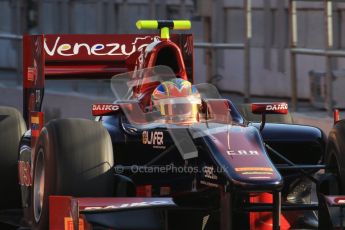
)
(335, 150)
(78, 160)
(45, 144)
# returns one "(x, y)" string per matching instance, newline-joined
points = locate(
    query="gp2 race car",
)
(166, 154)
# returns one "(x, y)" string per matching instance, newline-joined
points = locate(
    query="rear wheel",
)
(73, 157)
(12, 128)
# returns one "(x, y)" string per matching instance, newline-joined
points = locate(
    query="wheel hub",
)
(38, 186)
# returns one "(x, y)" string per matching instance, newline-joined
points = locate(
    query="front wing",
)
(66, 212)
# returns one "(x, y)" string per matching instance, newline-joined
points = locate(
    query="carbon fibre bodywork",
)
(232, 156)
(301, 144)
(211, 143)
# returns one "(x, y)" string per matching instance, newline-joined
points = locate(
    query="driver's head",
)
(177, 100)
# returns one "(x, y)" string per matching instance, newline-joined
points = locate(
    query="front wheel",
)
(73, 157)
(335, 158)
(334, 179)
(332, 182)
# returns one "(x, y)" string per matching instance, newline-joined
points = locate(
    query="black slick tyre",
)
(73, 157)
(12, 128)
(335, 158)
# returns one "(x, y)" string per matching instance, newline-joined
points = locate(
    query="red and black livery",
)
(76, 173)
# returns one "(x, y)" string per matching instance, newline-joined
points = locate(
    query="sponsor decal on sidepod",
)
(154, 138)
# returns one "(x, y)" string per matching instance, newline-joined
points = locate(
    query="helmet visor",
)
(179, 109)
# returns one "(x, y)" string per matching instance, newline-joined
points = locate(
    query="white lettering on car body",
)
(276, 107)
(129, 205)
(209, 173)
(105, 107)
(242, 153)
(110, 49)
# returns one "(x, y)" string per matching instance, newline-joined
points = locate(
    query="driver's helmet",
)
(177, 100)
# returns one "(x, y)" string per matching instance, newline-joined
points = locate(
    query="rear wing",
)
(82, 57)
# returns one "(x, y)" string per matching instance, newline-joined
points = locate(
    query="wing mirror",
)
(269, 108)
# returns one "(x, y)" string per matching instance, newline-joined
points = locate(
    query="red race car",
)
(166, 154)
